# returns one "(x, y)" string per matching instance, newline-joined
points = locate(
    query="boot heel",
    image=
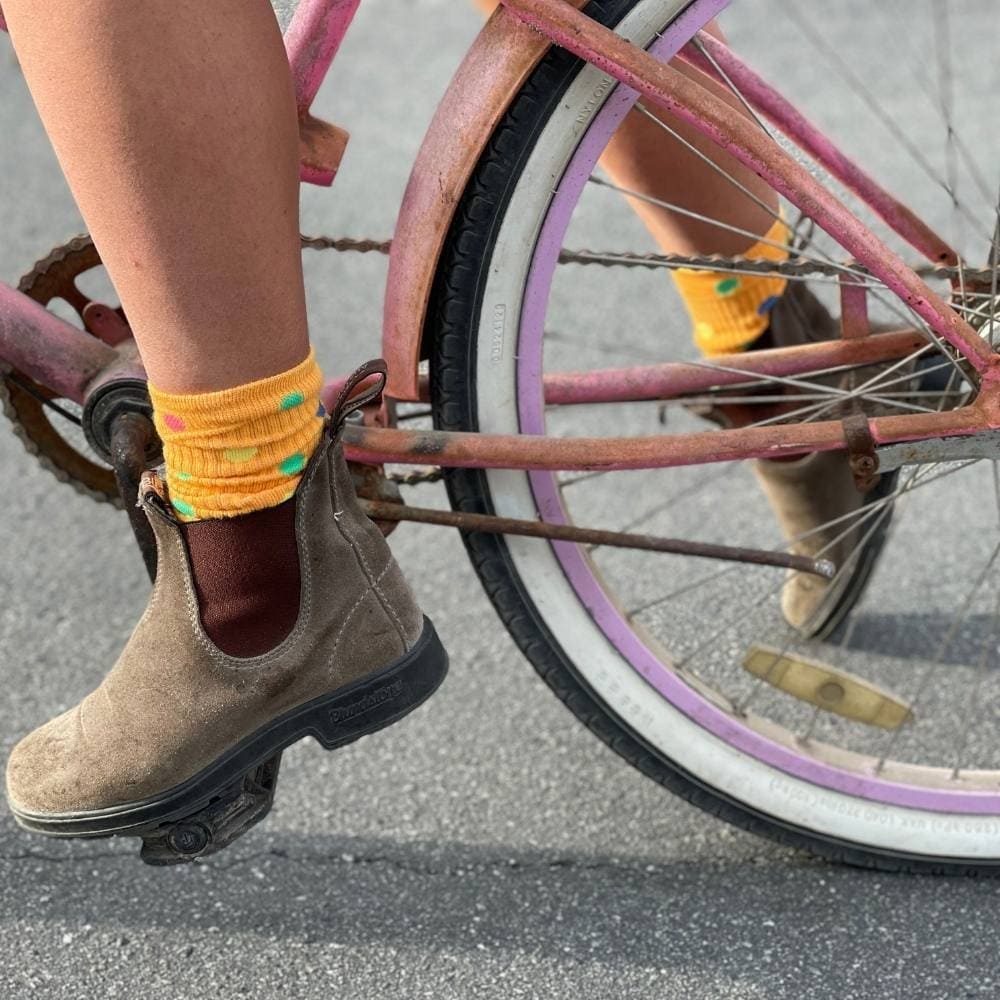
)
(379, 700)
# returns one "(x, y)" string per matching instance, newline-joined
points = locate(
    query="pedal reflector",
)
(828, 688)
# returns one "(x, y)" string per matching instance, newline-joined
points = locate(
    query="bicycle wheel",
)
(648, 650)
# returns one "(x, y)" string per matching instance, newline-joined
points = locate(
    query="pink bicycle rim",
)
(549, 503)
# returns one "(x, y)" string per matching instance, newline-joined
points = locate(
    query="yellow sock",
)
(729, 311)
(242, 449)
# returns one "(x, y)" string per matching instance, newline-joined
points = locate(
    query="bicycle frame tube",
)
(765, 99)
(311, 40)
(668, 381)
(49, 350)
(672, 379)
(377, 446)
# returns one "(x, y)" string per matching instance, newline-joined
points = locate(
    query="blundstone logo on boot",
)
(370, 701)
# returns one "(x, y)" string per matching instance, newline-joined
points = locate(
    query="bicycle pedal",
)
(828, 687)
(241, 805)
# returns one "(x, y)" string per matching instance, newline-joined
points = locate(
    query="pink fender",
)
(492, 73)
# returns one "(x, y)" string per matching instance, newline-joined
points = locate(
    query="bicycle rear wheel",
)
(647, 650)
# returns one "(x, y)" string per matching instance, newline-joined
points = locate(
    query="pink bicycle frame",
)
(73, 363)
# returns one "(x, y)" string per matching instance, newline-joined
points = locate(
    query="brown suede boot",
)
(179, 721)
(807, 492)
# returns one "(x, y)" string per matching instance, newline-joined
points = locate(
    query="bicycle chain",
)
(433, 475)
(793, 267)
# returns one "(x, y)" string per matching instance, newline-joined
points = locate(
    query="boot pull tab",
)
(348, 402)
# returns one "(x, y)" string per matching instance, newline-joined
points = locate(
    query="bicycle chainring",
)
(43, 432)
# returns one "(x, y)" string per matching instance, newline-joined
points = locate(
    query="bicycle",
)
(789, 742)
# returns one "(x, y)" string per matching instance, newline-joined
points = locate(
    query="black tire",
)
(453, 313)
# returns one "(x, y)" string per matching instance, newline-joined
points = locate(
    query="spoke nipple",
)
(824, 567)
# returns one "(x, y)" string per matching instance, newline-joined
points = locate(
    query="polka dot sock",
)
(730, 311)
(239, 450)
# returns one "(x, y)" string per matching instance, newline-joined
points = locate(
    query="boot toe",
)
(804, 601)
(44, 774)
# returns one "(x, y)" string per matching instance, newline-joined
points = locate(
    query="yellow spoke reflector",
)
(828, 688)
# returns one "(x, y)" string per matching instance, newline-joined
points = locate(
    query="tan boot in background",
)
(805, 493)
(178, 721)
(808, 492)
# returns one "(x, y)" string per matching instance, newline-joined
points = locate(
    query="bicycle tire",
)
(451, 324)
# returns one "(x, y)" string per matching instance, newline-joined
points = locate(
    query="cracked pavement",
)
(488, 846)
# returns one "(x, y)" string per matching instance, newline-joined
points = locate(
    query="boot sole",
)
(334, 720)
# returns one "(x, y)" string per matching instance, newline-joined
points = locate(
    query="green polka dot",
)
(727, 286)
(292, 400)
(293, 464)
(239, 454)
(183, 508)
(182, 476)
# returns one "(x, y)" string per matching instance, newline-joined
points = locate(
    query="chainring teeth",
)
(42, 283)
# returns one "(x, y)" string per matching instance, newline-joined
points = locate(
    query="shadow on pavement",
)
(748, 919)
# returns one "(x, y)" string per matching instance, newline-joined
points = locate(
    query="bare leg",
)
(644, 157)
(178, 135)
(175, 124)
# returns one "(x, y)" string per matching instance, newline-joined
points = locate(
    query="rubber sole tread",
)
(334, 720)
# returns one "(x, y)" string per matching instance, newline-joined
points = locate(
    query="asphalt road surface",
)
(488, 846)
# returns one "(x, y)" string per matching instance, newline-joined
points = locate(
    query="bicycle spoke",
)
(583, 478)
(751, 111)
(837, 394)
(913, 483)
(880, 515)
(989, 649)
(709, 162)
(749, 610)
(720, 396)
(858, 274)
(737, 93)
(808, 31)
(949, 637)
(901, 21)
